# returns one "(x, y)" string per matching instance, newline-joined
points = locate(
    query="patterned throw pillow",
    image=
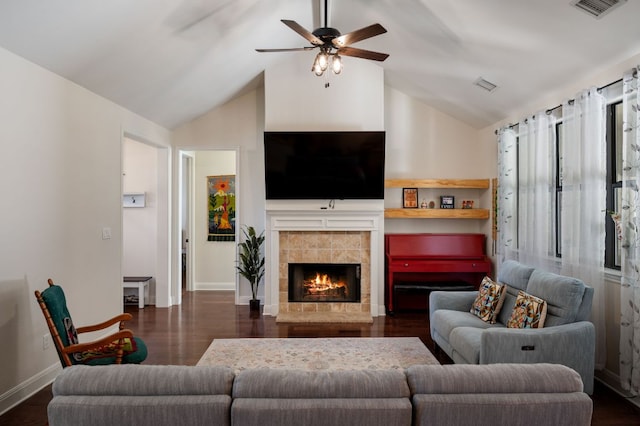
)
(528, 312)
(489, 300)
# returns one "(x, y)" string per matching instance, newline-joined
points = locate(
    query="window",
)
(558, 155)
(614, 182)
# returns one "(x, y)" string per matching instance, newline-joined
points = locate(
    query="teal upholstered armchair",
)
(117, 348)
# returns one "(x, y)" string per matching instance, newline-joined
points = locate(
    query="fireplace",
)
(324, 237)
(324, 282)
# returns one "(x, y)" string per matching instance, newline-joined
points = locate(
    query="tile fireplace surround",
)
(327, 236)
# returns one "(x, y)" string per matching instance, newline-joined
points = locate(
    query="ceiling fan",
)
(332, 44)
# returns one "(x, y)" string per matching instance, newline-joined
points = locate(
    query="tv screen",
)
(324, 165)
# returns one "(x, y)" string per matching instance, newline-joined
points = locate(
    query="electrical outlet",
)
(46, 341)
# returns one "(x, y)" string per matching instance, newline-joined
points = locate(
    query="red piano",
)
(434, 261)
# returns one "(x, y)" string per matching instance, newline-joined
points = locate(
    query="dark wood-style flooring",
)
(180, 335)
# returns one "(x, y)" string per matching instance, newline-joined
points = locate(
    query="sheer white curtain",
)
(536, 191)
(507, 206)
(584, 192)
(630, 290)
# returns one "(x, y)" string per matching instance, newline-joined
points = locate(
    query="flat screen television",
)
(324, 165)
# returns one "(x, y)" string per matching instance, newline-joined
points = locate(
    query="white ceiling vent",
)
(597, 8)
(486, 85)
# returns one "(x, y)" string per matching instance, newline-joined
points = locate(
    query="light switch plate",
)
(106, 233)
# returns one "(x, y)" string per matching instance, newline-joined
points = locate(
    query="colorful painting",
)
(222, 207)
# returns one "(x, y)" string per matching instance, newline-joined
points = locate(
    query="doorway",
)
(209, 260)
(145, 218)
(185, 219)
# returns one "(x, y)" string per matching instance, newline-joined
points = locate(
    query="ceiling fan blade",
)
(292, 49)
(303, 32)
(358, 35)
(361, 53)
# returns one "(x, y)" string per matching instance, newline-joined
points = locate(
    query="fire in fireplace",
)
(324, 282)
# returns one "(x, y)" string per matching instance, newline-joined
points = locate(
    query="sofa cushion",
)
(563, 295)
(337, 384)
(529, 312)
(507, 306)
(492, 378)
(143, 380)
(321, 411)
(274, 397)
(444, 321)
(489, 300)
(514, 274)
(141, 395)
(466, 342)
(139, 410)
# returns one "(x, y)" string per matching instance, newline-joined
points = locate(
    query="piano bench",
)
(428, 287)
(436, 286)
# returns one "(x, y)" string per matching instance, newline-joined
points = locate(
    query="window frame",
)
(612, 246)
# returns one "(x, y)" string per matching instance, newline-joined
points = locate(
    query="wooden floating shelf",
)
(437, 213)
(437, 183)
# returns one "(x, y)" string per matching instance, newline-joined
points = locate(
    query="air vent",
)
(486, 85)
(598, 8)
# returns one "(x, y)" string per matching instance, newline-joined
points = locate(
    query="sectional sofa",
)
(421, 395)
(567, 337)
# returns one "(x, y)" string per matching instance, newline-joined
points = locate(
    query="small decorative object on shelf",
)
(446, 201)
(432, 204)
(423, 204)
(410, 198)
(467, 204)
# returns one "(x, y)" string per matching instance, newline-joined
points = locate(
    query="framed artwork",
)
(446, 201)
(410, 198)
(221, 209)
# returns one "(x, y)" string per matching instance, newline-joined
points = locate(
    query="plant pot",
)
(254, 306)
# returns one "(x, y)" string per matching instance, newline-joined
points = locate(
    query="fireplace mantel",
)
(367, 216)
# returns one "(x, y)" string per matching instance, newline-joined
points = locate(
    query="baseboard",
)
(612, 381)
(220, 286)
(26, 389)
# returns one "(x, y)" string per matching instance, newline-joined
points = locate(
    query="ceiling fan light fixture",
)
(323, 60)
(330, 40)
(336, 64)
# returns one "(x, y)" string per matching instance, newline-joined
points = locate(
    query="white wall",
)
(215, 261)
(296, 99)
(140, 225)
(424, 143)
(60, 184)
(239, 124)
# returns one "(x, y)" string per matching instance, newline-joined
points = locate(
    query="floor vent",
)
(598, 8)
(486, 85)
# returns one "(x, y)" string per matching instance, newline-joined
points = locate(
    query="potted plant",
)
(251, 263)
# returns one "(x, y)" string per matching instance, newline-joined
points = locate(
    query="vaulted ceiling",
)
(173, 60)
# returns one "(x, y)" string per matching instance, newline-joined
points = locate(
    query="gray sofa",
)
(568, 338)
(144, 395)
(141, 395)
(498, 394)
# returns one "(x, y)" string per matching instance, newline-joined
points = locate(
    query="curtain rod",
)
(550, 110)
(599, 89)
